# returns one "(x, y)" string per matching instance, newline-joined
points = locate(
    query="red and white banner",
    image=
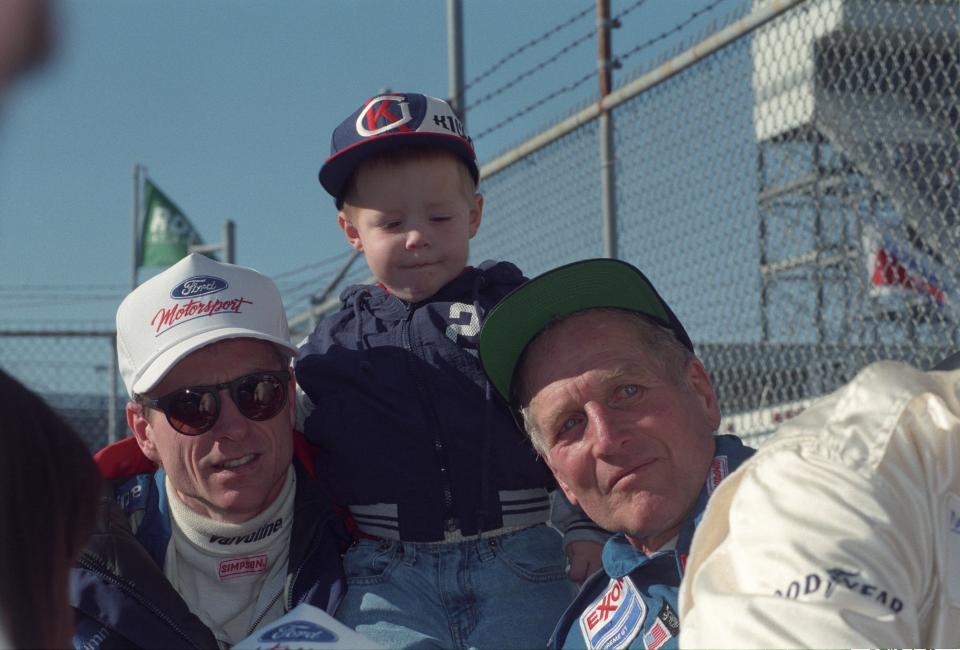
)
(900, 269)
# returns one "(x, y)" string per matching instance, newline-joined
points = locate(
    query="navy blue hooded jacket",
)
(413, 440)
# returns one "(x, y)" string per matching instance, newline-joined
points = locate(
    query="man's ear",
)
(292, 399)
(142, 431)
(571, 497)
(350, 230)
(699, 380)
(476, 214)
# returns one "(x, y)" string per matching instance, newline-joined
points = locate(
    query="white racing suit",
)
(843, 530)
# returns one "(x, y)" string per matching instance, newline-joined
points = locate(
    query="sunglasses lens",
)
(192, 412)
(260, 397)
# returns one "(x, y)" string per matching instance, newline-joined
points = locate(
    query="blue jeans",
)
(506, 591)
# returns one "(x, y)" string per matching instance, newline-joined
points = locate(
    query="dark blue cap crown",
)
(388, 121)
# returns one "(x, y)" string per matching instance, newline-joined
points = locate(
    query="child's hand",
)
(583, 559)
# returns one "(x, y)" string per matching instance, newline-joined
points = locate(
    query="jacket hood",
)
(385, 306)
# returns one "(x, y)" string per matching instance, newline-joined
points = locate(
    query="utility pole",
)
(608, 188)
(137, 220)
(227, 246)
(455, 58)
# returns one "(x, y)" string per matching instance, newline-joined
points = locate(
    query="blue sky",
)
(230, 104)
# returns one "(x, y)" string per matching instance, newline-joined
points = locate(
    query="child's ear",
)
(476, 214)
(350, 230)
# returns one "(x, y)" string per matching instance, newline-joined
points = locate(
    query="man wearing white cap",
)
(219, 526)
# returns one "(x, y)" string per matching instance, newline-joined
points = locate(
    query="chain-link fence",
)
(794, 195)
(791, 184)
(74, 370)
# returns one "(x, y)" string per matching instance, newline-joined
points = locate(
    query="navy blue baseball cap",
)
(393, 120)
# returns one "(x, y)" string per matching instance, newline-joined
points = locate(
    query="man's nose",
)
(232, 423)
(608, 432)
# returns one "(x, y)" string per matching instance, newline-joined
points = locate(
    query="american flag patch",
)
(615, 618)
(656, 636)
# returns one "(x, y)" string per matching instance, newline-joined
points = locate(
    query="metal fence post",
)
(112, 403)
(608, 200)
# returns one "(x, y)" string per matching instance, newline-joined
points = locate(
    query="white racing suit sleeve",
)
(837, 532)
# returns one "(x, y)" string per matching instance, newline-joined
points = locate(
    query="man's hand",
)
(584, 560)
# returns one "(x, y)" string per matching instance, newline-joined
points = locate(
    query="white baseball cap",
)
(195, 302)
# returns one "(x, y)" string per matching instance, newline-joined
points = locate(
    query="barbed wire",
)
(311, 265)
(28, 302)
(60, 287)
(516, 52)
(94, 326)
(675, 29)
(636, 5)
(615, 62)
(530, 71)
(530, 107)
(302, 290)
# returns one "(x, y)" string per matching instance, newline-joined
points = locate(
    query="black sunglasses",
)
(194, 410)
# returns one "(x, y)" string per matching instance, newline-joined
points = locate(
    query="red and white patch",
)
(719, 469)
(615, 618)
(243, 566)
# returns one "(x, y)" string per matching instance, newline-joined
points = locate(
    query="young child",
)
(432, 467)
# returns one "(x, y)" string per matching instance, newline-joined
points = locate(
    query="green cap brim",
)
(523, 313)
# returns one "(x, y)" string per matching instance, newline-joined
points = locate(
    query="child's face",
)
(413, 220)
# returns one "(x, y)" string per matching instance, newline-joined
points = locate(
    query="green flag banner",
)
(167, 233)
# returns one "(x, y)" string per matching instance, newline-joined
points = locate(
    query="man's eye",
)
(390, 225)
(568, 425)
(440, 217)
(630, 390)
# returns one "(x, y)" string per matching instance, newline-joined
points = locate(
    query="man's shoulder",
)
(568, 624)
(501, 276)
(123, 459)
(488, 277)
(853, 425)
(368, 303)
(634, 609)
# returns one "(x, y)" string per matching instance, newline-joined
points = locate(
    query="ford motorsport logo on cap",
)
(300, 631)
(198, 285)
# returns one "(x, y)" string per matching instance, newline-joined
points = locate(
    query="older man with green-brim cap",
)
(605, 379)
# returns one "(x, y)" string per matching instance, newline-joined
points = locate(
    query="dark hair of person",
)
(49, 489)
